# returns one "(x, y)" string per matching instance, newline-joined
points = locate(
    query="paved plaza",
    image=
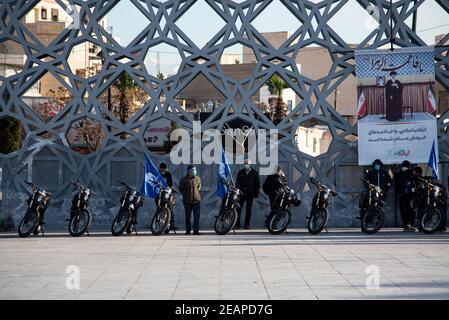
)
(248, 265)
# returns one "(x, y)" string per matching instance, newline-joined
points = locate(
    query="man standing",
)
(248, 182)
(378, 176)
(190, 187)
(393, 92)
(404, 191)
(274, 184)
(163, 170)
(272, 187)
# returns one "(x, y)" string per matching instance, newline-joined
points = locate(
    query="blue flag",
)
(224, 172)
(152, 180)
(433, 162)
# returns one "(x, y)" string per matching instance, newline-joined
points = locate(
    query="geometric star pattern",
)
(52, 162)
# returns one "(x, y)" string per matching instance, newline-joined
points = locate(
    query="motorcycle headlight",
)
(166, 195)
(326, 195)
(377, 194)
(132, 196)
(436, 191)
(39, 198)
(235, 196)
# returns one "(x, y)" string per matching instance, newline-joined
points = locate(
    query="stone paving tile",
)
(248, 265)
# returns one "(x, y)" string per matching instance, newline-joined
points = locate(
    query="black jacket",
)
(403, 181)
(248, 183)
(379, 178)
(273, 185)
(167, 176)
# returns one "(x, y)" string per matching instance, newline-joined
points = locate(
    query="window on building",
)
(44, 14)
(54, 15)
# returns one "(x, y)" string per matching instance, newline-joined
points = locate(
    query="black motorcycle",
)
(280, 216)
(34, 217)
(319, 214)
(126, 218)
(372, 213)
(165, 202)
(227, 217)
(430, 205)
(80, 213)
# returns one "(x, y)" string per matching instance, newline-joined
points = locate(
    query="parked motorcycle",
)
(126, 218)
(34, 217)
(80, 213)
(319, 213)
(430, 203)
(227, 217)
(162, 218)
(280, 216)
(372, 213)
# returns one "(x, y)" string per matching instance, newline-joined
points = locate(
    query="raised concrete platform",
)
(248, 265)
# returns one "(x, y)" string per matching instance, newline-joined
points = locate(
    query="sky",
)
(352, 23)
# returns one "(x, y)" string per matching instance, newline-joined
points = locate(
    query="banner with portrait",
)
(396, 104)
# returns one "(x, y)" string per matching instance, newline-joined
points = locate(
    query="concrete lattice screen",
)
(50, 162)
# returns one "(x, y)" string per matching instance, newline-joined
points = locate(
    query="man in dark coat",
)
(274, 184)
(190, 187)
(379, 176)
(163, 170)
(248, 182)
(393, 92)
(403, 183)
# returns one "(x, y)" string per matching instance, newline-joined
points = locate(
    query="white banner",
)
(394, 142)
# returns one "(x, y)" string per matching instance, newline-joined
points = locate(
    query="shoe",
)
(406, 229)
(187, 233)
(197, 233)
(167, 231)
(412, 228)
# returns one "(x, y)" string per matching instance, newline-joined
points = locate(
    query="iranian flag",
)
(431, 103)
(361, 106)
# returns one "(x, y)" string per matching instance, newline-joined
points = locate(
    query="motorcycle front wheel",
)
(225, 221)
(318, 221)
(372, 220)
(431, 220)
(121, 222)
(29, 224)
(161, 221)
(79, 223)
(279, 222)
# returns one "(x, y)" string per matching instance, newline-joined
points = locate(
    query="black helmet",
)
(163, 166)
(406, 164)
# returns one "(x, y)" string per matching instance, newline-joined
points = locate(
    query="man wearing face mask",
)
(190, 187)
(379, 176)
(403, 183)
(248, 182)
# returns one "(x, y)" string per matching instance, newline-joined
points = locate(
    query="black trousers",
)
(195, 209)
(406, 209)
(249, 205)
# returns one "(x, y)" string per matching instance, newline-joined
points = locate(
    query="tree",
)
(168, 144)
(57, 100)
(276, 86)
(10, 131)
(126, 96)
(91, 132)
